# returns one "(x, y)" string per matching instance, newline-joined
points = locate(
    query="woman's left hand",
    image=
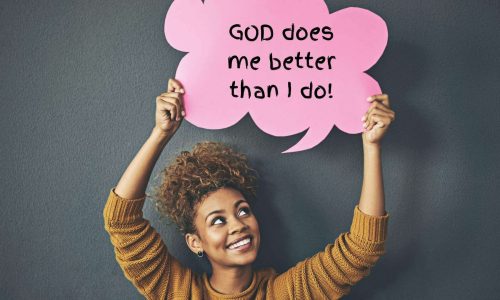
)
(377, 119)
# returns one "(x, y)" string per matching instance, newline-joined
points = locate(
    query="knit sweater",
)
(329, 274)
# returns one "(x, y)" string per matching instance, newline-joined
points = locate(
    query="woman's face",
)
(223, 218)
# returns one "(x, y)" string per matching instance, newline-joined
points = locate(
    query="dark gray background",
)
(78, 83)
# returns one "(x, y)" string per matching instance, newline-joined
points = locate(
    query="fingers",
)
(171, 103)
(177, 99)
(377, 107)
(175, 90)
(383, 98)
(166, 105)
(379, 113)
(174, 86)
(377, 120)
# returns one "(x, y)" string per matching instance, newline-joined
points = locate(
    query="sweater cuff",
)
(120, 210)
(369, 228)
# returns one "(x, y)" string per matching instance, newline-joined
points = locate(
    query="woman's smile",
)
(241, 246)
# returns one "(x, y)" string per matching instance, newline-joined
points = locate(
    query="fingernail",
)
(369, 98)
(363, 118)
(182, 90)
(364, 125)
(183, 113)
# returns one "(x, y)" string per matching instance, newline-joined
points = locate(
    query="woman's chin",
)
(244, 258)
(240, 262)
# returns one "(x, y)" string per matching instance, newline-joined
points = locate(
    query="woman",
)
(208, 193)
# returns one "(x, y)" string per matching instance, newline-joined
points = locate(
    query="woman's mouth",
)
(242, 245)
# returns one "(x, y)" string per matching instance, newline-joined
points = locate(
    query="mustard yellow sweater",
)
(329, 274)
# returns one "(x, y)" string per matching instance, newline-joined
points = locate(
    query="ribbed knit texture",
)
(329, 274)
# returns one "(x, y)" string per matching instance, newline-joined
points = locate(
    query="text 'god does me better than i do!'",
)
(294, 62)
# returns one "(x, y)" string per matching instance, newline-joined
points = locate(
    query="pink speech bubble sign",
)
(203, 30)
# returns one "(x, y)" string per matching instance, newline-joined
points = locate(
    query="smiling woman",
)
(208, 193)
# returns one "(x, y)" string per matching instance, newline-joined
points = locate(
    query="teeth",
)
(241, 243)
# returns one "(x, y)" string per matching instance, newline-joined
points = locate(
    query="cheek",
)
(216, 239)
(255, 225)
(256, 230)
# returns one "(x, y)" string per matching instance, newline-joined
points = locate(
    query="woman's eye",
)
(214, 221)
(246, 210)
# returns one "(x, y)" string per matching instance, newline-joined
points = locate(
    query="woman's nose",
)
(238, 226)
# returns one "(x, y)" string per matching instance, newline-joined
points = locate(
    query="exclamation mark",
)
(330, 90)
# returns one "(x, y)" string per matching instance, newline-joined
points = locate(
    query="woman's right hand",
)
(170, 109)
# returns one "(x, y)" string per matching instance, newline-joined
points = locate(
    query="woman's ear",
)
(193, 242)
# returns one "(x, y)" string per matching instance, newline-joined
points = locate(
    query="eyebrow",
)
(223, 210)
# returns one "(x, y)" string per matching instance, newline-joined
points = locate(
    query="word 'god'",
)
(265, 33)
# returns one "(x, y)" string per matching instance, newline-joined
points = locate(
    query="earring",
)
(200, 253)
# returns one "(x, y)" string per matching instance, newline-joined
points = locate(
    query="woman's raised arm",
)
(169, 115)
(139, 249)
(331, 273)
(376, 122)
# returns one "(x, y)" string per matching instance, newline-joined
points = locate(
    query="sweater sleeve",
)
(330, 274)
(140, 251)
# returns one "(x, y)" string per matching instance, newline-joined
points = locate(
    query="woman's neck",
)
(231, 280)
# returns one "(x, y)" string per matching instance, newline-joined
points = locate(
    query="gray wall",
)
(78, 83)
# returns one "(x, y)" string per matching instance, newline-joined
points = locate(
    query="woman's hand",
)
(170, 109)
(377, 119)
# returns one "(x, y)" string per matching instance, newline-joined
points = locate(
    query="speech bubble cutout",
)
(203, 29)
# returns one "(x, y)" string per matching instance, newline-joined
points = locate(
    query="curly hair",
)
(194, 175)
